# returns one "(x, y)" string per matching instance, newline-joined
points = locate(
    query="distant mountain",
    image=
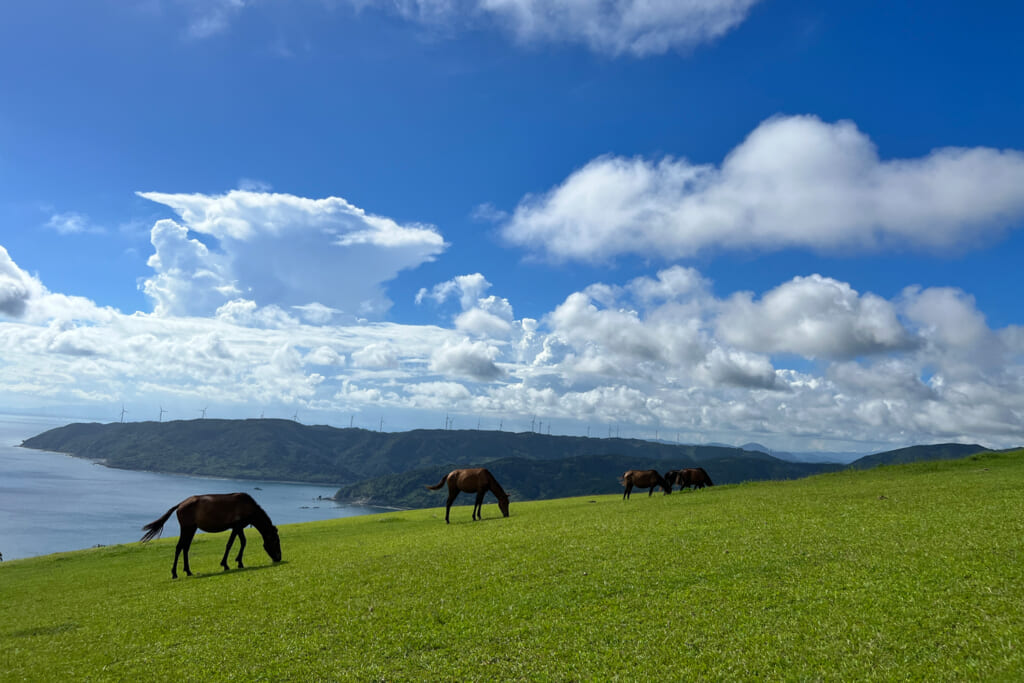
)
(942, 451)
(288, 451)
(805, 456)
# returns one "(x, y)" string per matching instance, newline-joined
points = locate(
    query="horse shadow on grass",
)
(232, 572)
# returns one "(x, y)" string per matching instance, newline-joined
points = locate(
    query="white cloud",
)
(737, 368)
(377, 356)
(72, 223)
(948, 317)
(23, 296)
(16, 287)
(815, 317)
(320, 256)
(794, 182)
(210, 17)
(244, 312)
(615, 27)
(470, 359)
(324, 355)
(481, 316)
(317, 313)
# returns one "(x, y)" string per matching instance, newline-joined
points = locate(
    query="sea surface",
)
(51, 503)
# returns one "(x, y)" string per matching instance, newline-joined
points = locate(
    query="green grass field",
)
(901, 573)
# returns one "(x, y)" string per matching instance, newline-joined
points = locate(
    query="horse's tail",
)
(439, 484)
(153, 529)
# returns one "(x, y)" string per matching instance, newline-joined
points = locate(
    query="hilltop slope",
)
(849, 576)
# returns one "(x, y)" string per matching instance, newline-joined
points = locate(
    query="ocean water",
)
(52, 503)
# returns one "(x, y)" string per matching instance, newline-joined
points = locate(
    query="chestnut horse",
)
(643, 479)
(478, 481)
(218, 512)
(694, 476)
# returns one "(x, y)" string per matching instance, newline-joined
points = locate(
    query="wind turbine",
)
(123, 411)
(162, 411)
(203, 411)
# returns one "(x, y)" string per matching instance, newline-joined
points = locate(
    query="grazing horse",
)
(478, 481)
(643, 479)
(218, 512)
(694, 476)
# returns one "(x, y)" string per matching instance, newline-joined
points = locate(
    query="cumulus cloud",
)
(375, 355)
(815, 317)
(24, 297)
(472, 359)
(481, 316)
(947, 316)
(795, 181)
(323, 257)
(736, 368)
(16, 287)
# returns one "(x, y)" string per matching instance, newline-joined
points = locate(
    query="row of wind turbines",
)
(201, 411)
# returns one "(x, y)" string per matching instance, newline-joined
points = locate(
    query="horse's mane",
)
(498, 491)
(261, 515)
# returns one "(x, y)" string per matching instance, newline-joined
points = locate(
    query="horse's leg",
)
(448, 508)
(629, 487)
(241, 542)
(227, 549)
(651, 492)
(478, 506)
(184, 541)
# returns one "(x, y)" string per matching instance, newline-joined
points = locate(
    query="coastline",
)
(198, 475)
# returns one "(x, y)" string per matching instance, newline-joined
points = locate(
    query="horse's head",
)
(272, 544)
(503, 506)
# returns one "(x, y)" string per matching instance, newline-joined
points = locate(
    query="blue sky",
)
(787, 222)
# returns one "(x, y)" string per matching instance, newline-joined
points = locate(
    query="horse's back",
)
(470, 480)
(216, 511)
(641, 478)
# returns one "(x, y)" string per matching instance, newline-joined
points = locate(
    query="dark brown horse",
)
(218, 512)
(696, 477)
(643, 479)
(478, 481)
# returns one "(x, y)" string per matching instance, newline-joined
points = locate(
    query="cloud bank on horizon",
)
(264, 298)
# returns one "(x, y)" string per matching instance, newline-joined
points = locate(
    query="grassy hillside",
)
(911, 572)
(944, 451)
